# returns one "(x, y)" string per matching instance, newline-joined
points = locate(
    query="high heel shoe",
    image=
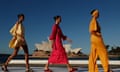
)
(4, 68)
(73, 69)
(48, 70)
(29, 70)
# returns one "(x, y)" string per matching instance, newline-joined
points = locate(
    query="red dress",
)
(58, 54)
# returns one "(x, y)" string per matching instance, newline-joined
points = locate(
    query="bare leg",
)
(12, 55)
(46, 69)
(69, 67)
(46, 66)
(4, 67)
(25, 48)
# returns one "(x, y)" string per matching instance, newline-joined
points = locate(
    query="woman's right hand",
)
(22, 39)
(69, 40)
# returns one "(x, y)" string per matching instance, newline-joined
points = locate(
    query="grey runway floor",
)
(55, 69)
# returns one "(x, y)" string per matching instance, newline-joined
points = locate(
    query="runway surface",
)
(38, 66)
(55, 69)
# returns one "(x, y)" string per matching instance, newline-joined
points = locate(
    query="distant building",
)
(44, 48)
(69, 49)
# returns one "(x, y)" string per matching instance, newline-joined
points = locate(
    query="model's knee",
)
(26, 55)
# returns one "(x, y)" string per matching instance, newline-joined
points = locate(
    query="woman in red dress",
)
(58, 54)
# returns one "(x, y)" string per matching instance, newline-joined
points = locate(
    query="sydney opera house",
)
(44, 49)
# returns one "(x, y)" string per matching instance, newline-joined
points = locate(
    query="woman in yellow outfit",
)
(98, 48)
(17, 42)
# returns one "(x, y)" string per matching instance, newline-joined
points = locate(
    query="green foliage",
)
(113, 50)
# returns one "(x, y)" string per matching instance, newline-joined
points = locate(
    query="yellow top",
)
(17, 30)
(94, 26)
(95, 30)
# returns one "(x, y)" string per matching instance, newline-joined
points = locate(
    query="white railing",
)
(77, 62)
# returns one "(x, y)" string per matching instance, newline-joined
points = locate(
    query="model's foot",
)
(4, 68)
(29, 70)
(73, 70)
(48, 70)
(111, 71)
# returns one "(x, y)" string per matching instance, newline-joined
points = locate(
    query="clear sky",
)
(75, 20)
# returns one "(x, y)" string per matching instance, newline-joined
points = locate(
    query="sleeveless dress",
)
(58, 54)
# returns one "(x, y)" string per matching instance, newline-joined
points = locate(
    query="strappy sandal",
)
(4, 68)
(73, 69)
(29, 70)
(48, 70)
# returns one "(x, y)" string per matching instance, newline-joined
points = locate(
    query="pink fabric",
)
(58, 54)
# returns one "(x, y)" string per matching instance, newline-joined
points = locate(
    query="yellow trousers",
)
(98, 49)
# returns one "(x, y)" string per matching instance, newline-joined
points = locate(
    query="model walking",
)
(98, 48)
(17, 42)
(58, 54)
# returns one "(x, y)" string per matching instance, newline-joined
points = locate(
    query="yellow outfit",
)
(98, 48)
(17, 31)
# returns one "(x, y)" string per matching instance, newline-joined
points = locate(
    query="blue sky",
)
(75, 20)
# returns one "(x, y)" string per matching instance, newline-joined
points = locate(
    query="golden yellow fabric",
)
(93, 26)
(16, 31)
(98, 48)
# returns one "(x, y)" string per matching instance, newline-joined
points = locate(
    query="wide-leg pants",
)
(98, 49)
